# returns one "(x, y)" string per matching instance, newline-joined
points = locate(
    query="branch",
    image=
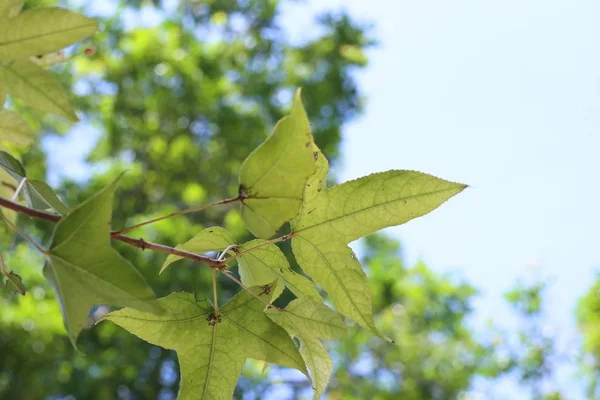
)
(139, 243)
(182, 212)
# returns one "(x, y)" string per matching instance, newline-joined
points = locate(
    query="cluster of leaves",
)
(282, 182)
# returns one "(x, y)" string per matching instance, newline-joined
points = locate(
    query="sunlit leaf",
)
(7, 191)
(274, 175)
(84, 270)
(310, 321)
(211, 355)
(10, 8)
(41, 31)
(37, 88)
(13, 128)
(330, 219)
(209, 239)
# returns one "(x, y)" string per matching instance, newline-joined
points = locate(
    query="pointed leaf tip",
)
(84, 270)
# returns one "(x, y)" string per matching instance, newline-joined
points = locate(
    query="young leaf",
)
(211, 354)
(308, 321)
(10, 8)
(267, 263)
(14, 283)
(13, 128)
(330, 219)
(274, 175)
(37, 88)
(209, 239)
(42, 30)
(84, 270)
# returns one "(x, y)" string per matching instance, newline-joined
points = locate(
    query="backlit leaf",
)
(37, 88)
(211, 356)
(13, 128)
(10, 8)
(310, 321)
(209, 239)
(42, 30)
(84, 270)
(330, 219)
(266, 263)
(38, 194)
(274, 175)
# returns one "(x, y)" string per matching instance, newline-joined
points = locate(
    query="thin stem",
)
(263, 244)
(247, 289)
(23, 234)
(224, 252)
(182, 212)
(18, 189)
(139, 243)
(215, 301)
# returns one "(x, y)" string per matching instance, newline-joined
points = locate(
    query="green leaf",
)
(37, 88)
(308, 321)
(7, 192)
(12, 166)
(267, 263)
(10, 8)
(330, 219)
(211, 356)
(38, 194)
(45, 196)
(14, 283)
(84, 270)
(274, 175)
(41, 31)
(13, 128)
(209, 239)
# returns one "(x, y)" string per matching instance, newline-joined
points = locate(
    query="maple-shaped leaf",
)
(309, 321)
(212, 350)
(273, 177)
(332, 218)
(41, 31)
(84, 270)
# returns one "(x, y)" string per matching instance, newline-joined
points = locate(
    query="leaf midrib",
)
(328, 264)
(52, 33)
(35, 88)
(374, 206)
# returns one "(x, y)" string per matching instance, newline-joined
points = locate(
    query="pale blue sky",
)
(503, 95)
